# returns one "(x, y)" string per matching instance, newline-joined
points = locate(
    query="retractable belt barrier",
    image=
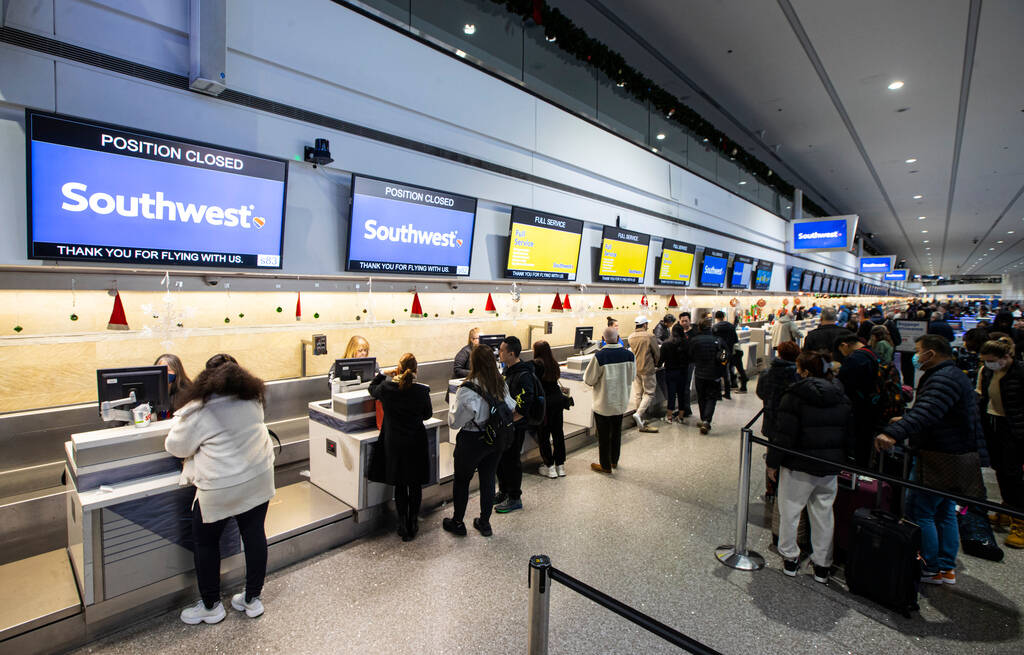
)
(738, 557)
(542, 574)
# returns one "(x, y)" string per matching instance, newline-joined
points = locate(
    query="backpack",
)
(497, 429)
(535, 412)
(888, 395)
(723, 356)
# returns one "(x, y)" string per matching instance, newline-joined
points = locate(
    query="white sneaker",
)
(196, 614)
(552, 472)
(561, 470)
(639, 421)
(542, 471)
(252, 609)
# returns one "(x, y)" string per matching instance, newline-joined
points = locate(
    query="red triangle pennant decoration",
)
(643, 300)
(556, 306)
(298, 307)
(607, 302)
(672, 301)
(565, 303)
(417, 309)
(489, 307)
(118, 321)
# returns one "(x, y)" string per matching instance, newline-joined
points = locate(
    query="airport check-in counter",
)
(582, 411)
(342, 435)
(760, 337)
(748, 347)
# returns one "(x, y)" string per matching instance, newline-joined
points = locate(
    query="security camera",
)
(211, 281)
(318, 154)
(974, 241)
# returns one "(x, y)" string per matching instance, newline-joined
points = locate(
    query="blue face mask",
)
(170, 378)
(917, 361)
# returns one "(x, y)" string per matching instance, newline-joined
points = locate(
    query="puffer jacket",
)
(944, 417)
(703, 351)
(785, 330)
(814, 417)
(1011, 390)
(770, 386)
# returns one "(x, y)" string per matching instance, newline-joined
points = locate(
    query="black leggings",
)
(472, 454)
(552, 431)
(1007, 456)
(207, 552)
(407, 501)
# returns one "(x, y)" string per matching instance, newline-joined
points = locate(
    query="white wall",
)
(363, 72)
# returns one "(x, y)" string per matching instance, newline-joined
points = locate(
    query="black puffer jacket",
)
(814, 417)
(770, 386)
(823, 339)
(1011, 390)
(944, 417)
(703, 351)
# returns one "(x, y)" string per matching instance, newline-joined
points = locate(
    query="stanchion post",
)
(736, 556)
(540, 603)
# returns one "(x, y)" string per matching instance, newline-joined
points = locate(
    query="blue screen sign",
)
(742, 269)
(104, 193)
(398, 228)
(819, 235)
(876, 264)
(899, 275)
(712, 269)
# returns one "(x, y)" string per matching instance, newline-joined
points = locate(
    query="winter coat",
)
(814, 417)
(662, 332)
(1011, 391)
(460, 367)
(406, 455)
(674, 355)
(823, 339)
(859, 377)
(611, 373)
(944, 417)
(646, 350)
(726, 331)
(703, 351)
(785, 330)
(770, 386)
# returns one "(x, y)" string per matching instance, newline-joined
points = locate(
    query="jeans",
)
(510, 465)
(207, 552)
(609, 439)
(707, 397)
(552, 432)
(472, 454)
(940, 534)
(798, 490)
(675, 378)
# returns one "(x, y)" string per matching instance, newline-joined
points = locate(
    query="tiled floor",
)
(646, 536)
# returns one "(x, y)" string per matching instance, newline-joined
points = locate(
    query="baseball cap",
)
(640, 320)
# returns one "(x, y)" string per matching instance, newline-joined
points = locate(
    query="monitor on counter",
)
(713, 268)
(408, 230)
(741, 271)
(355, 368)
(676, 267)
(796, 276)
(807, 281)
(119, 195)
(149, 383)
(493, 341)
(623, 255)
(763, 275)
(584, 337)
(543, 246)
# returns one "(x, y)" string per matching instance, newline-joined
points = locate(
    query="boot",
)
(413, 523)
(1016, 537)
(999, 520)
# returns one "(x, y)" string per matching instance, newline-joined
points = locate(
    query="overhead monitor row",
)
(802, 279)
(113, 194)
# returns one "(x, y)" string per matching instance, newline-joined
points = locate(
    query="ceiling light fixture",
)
(895, 85)
(1009, 232)
(654, 150)
(918, 197)
(921, 218)
(661, 136)
(1000, 241)
(924, 231)
(550, 38)
(743, 182)
(469, 29)
(460, 53)
(912, 160)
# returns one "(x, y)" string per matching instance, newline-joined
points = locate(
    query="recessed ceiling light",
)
(1000, 241)
(654, 150)
(921, 218)
(925, 241)
(460, 53)
(895, 84)
(661, 136)
(991, 248)
(743, 181)
(550, 38)
(1010, 232)
(924, 231)
(918, 197)
(912, 160)
(469, 28)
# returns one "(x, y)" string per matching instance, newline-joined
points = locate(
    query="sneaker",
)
(931, 578)
(649, 428)
(687, 414)
(196, 614)
(510, 505)
(639, 421)
(455, 527)
(705, 427)
(483, 528)
(546, 471)
(594, 466)
(741, 390)
(552, 472)
(670, 418)
(790, 567)
(252, 609)
(560, 470)
(821, 574)
(948, 577)
(500, 497)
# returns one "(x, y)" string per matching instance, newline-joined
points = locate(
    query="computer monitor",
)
(355, 368)
(148, 382)
(492, 340)
(584, 335)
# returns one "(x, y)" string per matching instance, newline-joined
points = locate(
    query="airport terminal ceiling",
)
(933, 168)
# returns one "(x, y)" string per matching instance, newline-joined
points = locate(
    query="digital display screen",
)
(398, 228)
(623, 255)
(820, 235)
(796, 275)
(831, 285)
(807, 281)
(543, 246)
(742, 270)
(899, 275)
(763, 275)
(106, 193)
(816, 285)
(876, 264)
(676, 263)
(713, 268)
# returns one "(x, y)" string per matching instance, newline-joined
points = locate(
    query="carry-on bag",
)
(883, 564)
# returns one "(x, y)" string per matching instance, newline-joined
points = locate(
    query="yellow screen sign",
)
(544, 250)
(676, 266)
(622, 259)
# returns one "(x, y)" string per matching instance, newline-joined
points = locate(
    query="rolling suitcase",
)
(856, 491)
(884, 560)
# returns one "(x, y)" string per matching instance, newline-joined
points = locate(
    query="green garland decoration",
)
(575, 41)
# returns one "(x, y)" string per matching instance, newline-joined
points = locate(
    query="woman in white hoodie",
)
(228, 456)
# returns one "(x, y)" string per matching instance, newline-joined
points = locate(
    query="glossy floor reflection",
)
(646, 536)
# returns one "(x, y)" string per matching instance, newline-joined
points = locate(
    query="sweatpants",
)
(644, 389)
(609, 439)
(798, 490)
(472, 455)
(207, 551)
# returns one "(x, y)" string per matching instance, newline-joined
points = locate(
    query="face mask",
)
(834, 366)
(170, 378)
(917, 361)
(995, 366)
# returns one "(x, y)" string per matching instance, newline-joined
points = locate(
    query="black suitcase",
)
(883, 564)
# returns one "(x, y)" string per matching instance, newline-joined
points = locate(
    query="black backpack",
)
(497, 429)
(723, 355)
(888, 396)
(535, 412)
